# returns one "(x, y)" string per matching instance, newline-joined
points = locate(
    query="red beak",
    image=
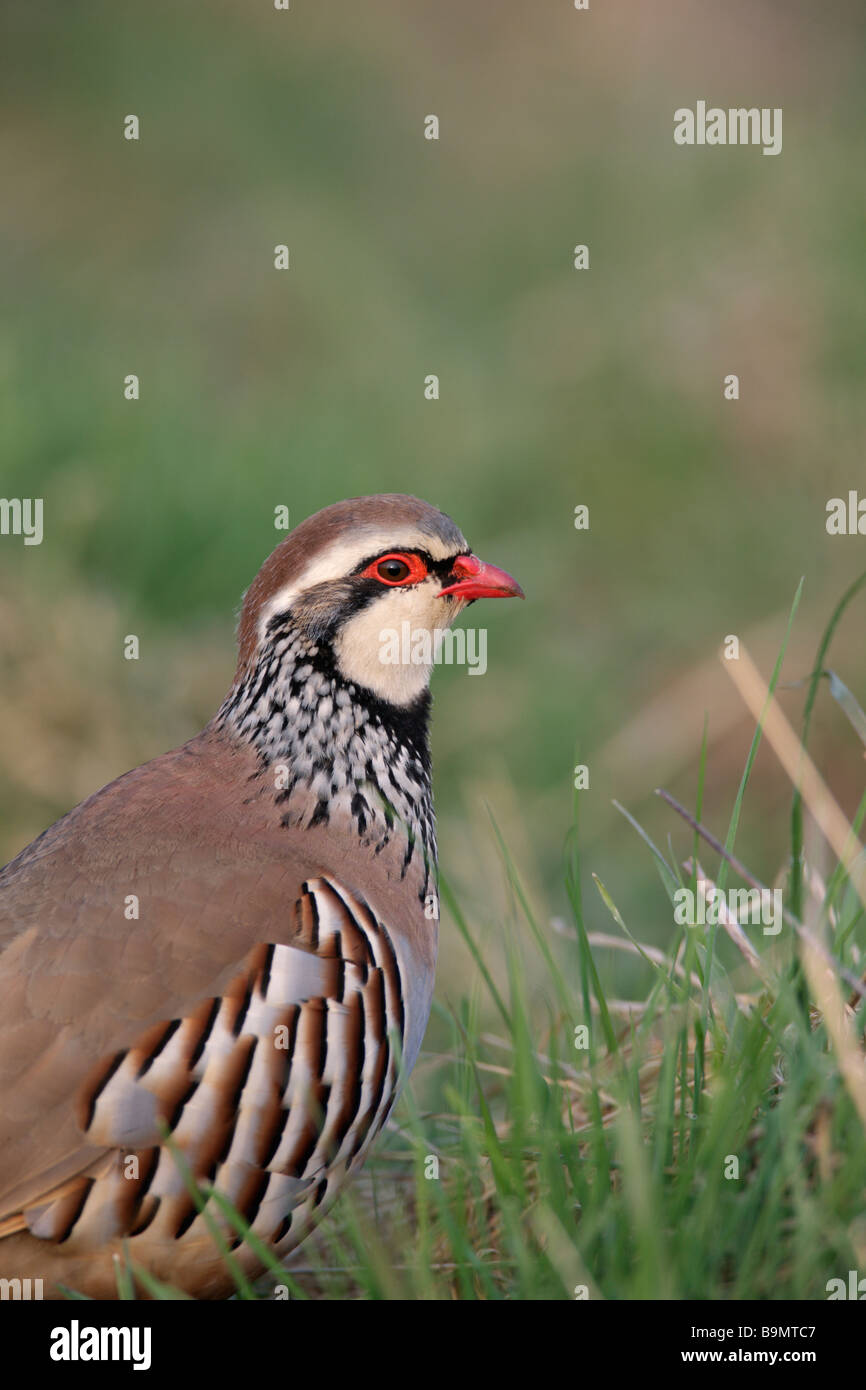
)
(477, 580)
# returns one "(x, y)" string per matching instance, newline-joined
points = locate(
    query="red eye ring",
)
(395, 569)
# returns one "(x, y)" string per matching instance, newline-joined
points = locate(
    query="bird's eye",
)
(397, 568)
(392, 570)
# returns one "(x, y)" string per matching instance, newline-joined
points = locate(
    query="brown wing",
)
(247, 1008)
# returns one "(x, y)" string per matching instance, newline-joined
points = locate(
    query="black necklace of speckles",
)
(336, 742)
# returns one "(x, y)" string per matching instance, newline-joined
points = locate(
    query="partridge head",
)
(228, 953)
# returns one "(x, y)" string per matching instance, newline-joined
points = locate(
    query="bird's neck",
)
(336, 754)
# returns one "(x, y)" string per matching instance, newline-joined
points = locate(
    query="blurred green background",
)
(558, 386)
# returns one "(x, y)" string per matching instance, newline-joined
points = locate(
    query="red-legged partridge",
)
(237, 940)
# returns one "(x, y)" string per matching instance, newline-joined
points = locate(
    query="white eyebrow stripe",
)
(340, 559)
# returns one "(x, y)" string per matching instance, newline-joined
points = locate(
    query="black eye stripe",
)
(441, 569)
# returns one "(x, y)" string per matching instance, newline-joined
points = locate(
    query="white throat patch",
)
(364, 654)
